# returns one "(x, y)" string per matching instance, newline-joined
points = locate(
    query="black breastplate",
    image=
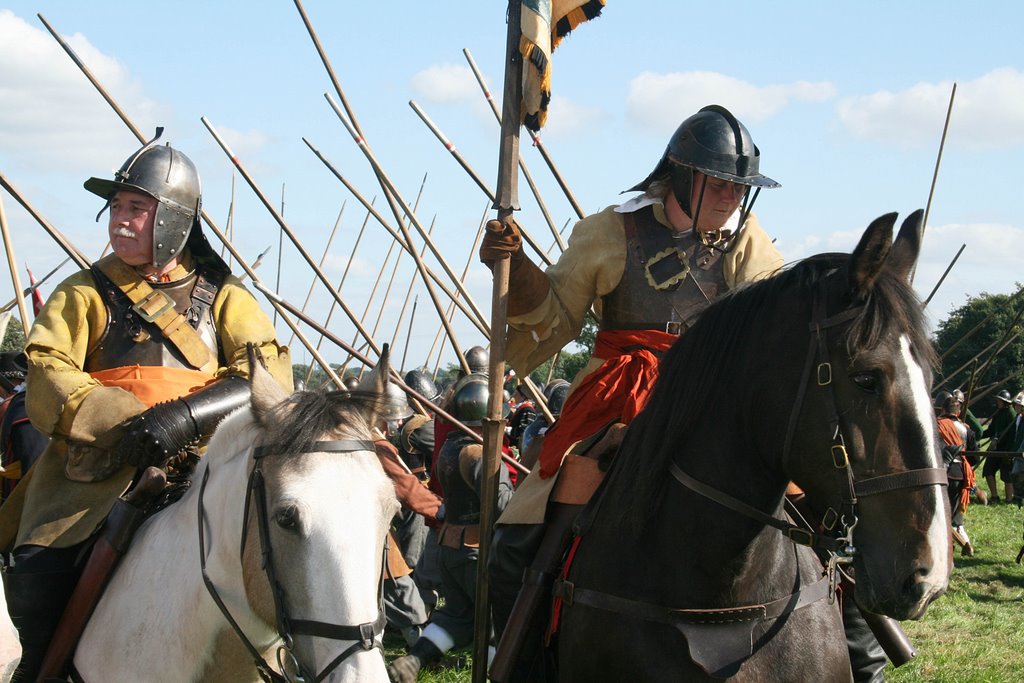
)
(461, 500)
(668, 280)
(129, 340)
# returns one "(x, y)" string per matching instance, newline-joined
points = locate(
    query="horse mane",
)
(305, 417)
(712, 364)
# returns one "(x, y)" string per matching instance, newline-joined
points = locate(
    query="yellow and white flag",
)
(544, 23)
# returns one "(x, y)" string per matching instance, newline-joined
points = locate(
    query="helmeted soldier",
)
(1001, 433)
(131, 363)
(477, 359)
(649, 267)
(460, 468)
(420, 382)
(957, 438)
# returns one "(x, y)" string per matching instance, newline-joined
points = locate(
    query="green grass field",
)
(974, 633)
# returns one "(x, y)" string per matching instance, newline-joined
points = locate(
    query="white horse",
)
(327, 509)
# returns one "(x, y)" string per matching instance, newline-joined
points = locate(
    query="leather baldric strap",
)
(157, 309)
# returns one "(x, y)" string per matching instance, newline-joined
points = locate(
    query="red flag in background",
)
(37, 298)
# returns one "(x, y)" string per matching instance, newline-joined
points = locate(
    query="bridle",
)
(366, 636)
(840, 547)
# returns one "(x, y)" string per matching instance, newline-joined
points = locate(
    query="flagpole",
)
(13, 263)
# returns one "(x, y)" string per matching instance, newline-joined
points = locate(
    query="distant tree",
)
(1006, 370)
(14, 338)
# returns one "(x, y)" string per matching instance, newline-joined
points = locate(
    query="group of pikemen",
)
(132, 363)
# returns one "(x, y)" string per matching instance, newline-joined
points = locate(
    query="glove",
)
(501, 239)
(152, 437)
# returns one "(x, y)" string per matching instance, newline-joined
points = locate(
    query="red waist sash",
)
(617, 390)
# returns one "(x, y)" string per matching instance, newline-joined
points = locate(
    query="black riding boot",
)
(405, 669)
(867, 659)
(39, 585)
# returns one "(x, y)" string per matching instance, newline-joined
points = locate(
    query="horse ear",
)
(376, 380)
(907, 247)
(868, 258)
(266, 392)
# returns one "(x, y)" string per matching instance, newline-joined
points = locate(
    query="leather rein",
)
(366, 636)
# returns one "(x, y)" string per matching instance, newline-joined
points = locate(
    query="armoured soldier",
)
(957, 437)
(460, 468)
(1001, 432)
(131, 363)
(649, 267)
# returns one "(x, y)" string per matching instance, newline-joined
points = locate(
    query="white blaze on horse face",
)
(332, 569)
(938, 530)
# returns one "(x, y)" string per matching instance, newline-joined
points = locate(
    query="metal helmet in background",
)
(944, 403)
(714, 142)
(395, 405)
(13, 369)
(469, 400)
(1004, 396)
(555, 394)
(420, 382)
(477, 359)
(351, 382)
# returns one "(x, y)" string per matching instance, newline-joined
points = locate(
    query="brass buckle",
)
(661, 258)
(153, 297)
(839, 458)
(824, 374)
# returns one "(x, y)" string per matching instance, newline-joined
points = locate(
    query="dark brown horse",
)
(821, 376)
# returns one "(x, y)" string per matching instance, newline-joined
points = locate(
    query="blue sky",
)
(845, 100)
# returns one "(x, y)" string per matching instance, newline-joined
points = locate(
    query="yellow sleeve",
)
(240, 320)
(753, 258)
(62, 399)
(590, 267)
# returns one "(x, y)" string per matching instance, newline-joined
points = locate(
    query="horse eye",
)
(866, 381)
(287, 518)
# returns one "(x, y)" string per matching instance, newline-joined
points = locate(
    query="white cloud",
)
(51, 115)
(447, 83)
(988, 113)
(660, 101)
(566, 117)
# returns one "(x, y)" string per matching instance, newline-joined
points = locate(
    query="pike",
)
(398, 380)
(536, 142)
(31, 288)
(327, 249)
(13, 263)
(451, 306)
(392, 194)
(981, 324)
(280, 252)
(408, 335)
(945, 273)
(344, 276)
(288, 231)
(506, 201)
(369, 302)
(256, 263)
(472, 313)
(53, 232)
(206, 218)
(453, 150)
(408, 293)
(935, 174)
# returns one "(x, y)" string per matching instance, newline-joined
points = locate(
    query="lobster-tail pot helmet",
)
(714, 142)
(477, 359)
(420, 382)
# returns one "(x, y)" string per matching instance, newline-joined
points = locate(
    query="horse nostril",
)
(918, 580)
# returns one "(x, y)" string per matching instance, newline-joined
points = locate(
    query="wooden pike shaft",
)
(533, 136)
(935, 174)
(31, 288)
(453, 150)
(288, 231)
(394, 377)
(408, 335)
(327, 249)
(53, 232)
(408, 293)
(473, 313)
(393, 193)
(13, 263)
(945, 273)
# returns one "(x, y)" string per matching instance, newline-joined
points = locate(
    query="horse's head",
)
(866, 403)
(325, 505)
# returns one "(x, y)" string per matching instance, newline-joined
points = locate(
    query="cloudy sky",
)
(845, 100)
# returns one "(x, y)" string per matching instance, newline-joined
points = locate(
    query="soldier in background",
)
(1001, 432)
(20, 443)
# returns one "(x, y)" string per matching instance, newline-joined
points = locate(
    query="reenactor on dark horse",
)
(131, 363)
(649, 267)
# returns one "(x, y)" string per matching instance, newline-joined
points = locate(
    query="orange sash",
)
(618, 390)
(152, 384)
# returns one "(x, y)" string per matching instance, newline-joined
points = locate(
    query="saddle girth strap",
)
(157, 309)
